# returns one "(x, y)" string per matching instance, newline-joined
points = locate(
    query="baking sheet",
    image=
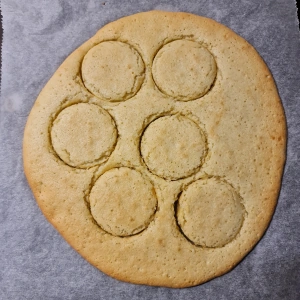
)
(35, 261)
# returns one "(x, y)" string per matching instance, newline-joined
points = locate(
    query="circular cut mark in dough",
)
(83, 135)
(184, 70)
(123, 202)
(173, 147)
(113, 71)
(210, 213)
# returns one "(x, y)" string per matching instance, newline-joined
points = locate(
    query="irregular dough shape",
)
(244, 126)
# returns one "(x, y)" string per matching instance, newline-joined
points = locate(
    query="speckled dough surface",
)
(157, 149)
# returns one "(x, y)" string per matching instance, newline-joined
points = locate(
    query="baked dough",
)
(173, 147)
(157, 149)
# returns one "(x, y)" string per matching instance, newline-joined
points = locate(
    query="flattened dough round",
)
(233, 139)
(113, 70)
(210, 213)
(123, 202)
(184, 69)
(173, 147)
(83, 135)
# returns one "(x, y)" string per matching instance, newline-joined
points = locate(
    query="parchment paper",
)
(35, 261)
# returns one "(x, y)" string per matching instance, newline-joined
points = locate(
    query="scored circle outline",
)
(114, 81)
(103, 157)
(207, 210)
(161, 172)
(135, 202)
(175, 77)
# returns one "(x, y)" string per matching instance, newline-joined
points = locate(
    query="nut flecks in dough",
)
(173, 147)
(123, 202)
(184, 70)
(210, 213)
(83, 135)
(113, 71)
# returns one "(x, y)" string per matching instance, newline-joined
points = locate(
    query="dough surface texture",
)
(157, 149)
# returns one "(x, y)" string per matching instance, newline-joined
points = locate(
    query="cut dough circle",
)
(123, 202)
(184, 70)
(210, 213)
(83, 135)
(113, 71)
(173, 147)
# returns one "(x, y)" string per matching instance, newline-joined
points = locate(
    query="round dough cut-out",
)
(173, 147)
(184, 70)
(123, 202)
(113, 71)
(210, 213)
(83, 135)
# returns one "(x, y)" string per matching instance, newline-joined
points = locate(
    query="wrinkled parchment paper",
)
(35, 261)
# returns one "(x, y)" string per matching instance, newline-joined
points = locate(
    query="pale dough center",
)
(83, 135)
(210, 213)
(173, 147)
(184, 70)
(113, 71)
(123, 202)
